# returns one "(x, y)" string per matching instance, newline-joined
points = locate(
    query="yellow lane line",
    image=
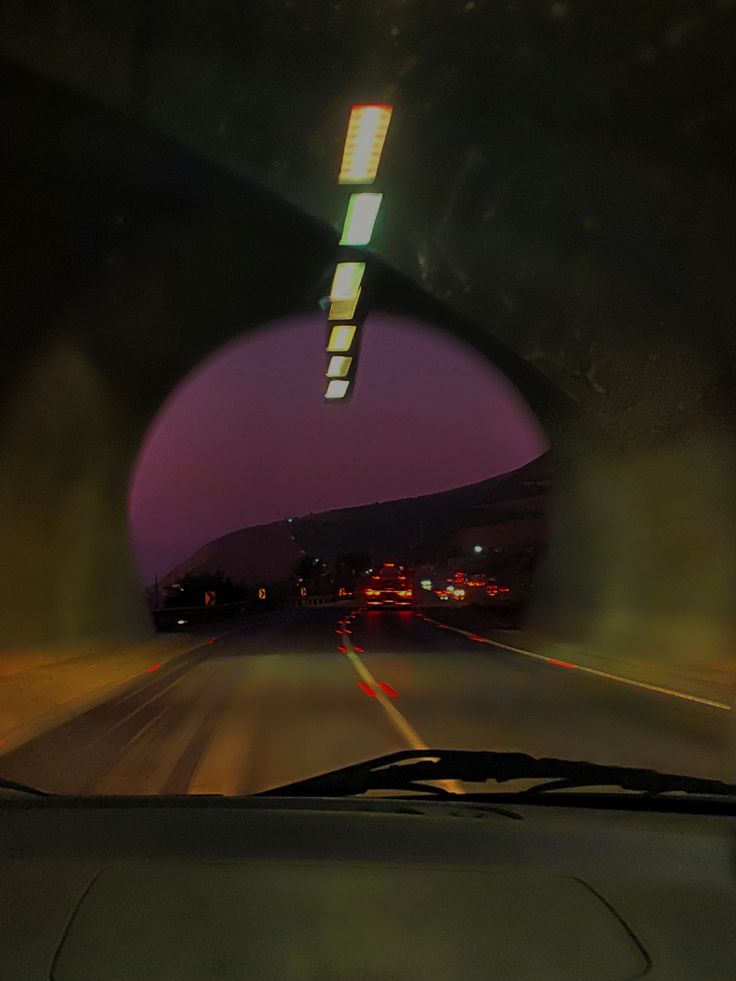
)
(397, 719)
(595, 671)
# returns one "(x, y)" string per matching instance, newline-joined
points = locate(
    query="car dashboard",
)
(264, 888)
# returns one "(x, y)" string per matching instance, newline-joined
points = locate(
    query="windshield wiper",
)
(409, 770)
(22, 788)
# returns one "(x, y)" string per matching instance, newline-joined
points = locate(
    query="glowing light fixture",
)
(366, 135)
(346, 281)
(345, 290)
(343, 309)
(339, 366)
(337, 389)
(341, 338)
(360, 218)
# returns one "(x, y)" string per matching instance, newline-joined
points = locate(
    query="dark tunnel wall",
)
(131, 262)
(560, 179)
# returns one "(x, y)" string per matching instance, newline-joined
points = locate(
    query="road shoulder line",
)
(555, 662)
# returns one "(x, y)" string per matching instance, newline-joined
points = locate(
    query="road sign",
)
(209, 597)
(261, 593)
(302, 590)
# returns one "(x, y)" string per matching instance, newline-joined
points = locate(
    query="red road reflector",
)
(367, 689)
(211, 640)
(560, 664)
(477, 637)
(391, 692)
(154, 667)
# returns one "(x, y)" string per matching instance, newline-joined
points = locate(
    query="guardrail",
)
(186, 617)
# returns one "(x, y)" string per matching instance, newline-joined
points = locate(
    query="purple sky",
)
(246, 437)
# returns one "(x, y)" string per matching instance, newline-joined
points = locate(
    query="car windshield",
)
(368, 388)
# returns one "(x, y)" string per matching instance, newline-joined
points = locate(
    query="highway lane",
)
(461, 694)
(270, 703)
(280, 701)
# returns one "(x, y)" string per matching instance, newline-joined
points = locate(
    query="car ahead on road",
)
(499, 594)
(390, 588)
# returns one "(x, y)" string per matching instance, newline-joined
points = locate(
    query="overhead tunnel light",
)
(341, 338)
(346, 281)
(343, 309)
(345, 291)
(360, 218)
(339, 366)
(364, 142)
(337, 389)
(366, 135)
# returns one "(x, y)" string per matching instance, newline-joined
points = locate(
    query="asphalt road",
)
(281, 701)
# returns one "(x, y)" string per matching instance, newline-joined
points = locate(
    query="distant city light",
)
(337, 389)
(339, 366)
(341, 337)
(426, 583)
(346, 281)
(181, 622)
(364, 142)
(360, 218)
(477, 549)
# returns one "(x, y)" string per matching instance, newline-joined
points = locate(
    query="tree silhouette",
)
(190, 590)
(350, 565)
(308, 568)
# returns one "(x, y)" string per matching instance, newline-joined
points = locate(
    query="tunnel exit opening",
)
(246, 477)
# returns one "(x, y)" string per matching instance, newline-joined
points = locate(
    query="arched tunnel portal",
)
(540, 212)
